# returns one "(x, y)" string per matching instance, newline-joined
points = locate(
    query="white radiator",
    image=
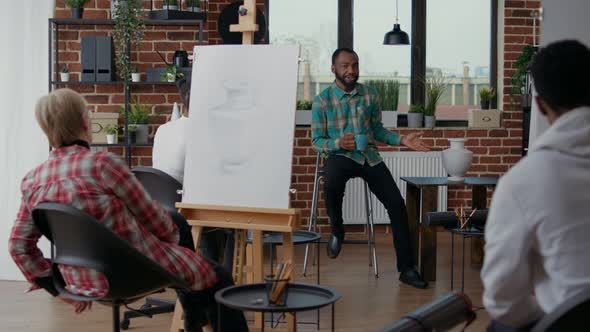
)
(400, 164)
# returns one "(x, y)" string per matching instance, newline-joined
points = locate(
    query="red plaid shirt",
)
(102, 185)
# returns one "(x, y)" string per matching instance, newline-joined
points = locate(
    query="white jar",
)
(456, 159)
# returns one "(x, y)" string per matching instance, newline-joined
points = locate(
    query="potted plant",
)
(415, 116)
(303, 113)
(193, 5)
(139, 115)
(170, 5)
(111, 131)
(132, 138)
(171, 73)
(64, 74)
(485, 97)
(135, 75)
(128, 33)
(388, 94)
(435, 87)
(77, 7)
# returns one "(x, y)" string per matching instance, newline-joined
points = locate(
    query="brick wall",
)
(495, 150)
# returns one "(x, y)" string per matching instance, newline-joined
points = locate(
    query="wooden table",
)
(421, 194)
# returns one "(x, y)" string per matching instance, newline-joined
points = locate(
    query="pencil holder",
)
(277, 290)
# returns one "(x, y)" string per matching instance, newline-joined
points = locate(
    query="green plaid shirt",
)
(336, 112)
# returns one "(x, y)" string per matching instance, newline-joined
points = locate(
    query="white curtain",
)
(23, 146)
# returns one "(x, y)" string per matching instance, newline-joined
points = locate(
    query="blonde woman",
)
(101, 184)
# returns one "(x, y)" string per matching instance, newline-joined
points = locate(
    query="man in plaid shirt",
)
(101, 184)
(340, 113)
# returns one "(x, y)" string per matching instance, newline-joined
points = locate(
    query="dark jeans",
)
(496, 326)
(339, 170)
(200, 306)
(218, 245)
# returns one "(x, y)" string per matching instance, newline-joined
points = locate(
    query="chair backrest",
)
(569, 316)
(161, 186)
(79, 240)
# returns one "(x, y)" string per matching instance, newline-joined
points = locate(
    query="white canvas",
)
(242, 114)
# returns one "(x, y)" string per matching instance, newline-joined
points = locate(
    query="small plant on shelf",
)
(111, 131)
(170, 4)
(64, 74)
(171, 73)
(77, 7)
(135, 75)
(486, 95)
(193, 5)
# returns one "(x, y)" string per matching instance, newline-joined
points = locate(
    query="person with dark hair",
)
(538, 226)
(342, 111)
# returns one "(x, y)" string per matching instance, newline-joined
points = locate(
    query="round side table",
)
(301, 297)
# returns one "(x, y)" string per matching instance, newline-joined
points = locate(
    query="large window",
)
(312, 24)
(372, 19)
(452, 38)
(458, 47)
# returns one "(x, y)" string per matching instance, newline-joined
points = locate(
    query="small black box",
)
(88, 61)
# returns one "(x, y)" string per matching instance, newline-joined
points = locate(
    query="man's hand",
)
(414, 142)
(80, 306)
(347, 142)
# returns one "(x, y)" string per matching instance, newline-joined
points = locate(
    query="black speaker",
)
(97, 59)
(88, 65)
(104, 59)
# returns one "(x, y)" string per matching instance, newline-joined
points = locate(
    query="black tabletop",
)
(299, 237)
(444, 181)
(300, 297)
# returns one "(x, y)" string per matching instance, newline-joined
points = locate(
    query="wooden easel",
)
(241, 219)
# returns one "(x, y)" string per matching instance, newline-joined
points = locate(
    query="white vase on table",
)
(456, 159)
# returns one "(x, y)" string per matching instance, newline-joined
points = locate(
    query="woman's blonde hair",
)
(61, 116)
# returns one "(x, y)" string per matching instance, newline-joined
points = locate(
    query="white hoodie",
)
(537, 252)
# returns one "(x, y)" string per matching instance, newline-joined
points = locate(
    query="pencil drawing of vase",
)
(456, 160)
(231, 126)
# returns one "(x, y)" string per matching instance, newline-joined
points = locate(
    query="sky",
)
(457, 31)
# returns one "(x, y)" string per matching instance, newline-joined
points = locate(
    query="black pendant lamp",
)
(396, 36)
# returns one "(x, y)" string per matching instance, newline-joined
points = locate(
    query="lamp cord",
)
(396, 10)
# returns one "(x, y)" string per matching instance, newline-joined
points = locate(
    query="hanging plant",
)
(129, 26)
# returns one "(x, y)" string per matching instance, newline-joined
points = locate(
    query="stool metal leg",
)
(371, 231)
(312, 222)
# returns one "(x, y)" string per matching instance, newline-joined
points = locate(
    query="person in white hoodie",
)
(537, 248)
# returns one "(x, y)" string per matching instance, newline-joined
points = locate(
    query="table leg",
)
(479, 201)
(428, 235)
(413, 207)
(287, 256)
(257, 261)
(332, 317)
(452, 258)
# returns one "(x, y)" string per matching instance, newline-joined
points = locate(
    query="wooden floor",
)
(367, 304)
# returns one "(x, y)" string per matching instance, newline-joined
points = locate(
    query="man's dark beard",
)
(347, 85)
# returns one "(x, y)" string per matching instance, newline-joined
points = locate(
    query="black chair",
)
(572, 315)
(164, 189)
(78, 239)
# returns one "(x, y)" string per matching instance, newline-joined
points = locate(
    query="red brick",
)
(512, 142)
(454, 133)
(182, 35)
(515, 133)
(480, 150)
(477, 133)
(490, 142)
(499, 133)
(489, 160)
(496, 151)
(497, 168)
(514, 4)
